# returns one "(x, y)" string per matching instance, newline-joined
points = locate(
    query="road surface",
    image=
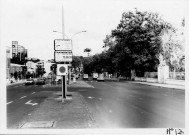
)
(113, 104)
(128, 105)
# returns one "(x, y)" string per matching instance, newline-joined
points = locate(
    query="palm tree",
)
(87, 50)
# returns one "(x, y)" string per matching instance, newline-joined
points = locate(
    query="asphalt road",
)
(113, 104)
(128, 105)
(22, 100)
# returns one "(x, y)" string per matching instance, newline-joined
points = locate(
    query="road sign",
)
(63, 56)
(62, 69)
(62, 44)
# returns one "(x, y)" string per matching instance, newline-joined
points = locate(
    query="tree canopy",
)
(137, 43)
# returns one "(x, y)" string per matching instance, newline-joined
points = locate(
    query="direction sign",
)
(62, 44)
(63, 56)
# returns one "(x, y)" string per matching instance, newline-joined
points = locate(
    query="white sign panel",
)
(62, 44)
(62, 69)
(63, 56)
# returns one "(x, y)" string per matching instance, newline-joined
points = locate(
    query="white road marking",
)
(33, 93)
(23, 97)
(90, 97)
(9, 102)
(29, 114)
(29, 103)
(100, 98)
(110, 111)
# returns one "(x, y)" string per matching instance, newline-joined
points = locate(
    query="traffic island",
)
(52, 113)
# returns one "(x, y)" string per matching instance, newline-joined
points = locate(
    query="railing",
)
(151, 74)
(177, 75)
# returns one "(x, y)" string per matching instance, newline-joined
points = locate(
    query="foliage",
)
(40, 71)
(136, 44)
(173, 48)
(88, 50)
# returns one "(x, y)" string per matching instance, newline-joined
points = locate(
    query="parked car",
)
(29, 81)
(40, 81)
(100, 77)
(85, 77)
(95, 76)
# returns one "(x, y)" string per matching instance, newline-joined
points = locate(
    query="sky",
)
(31, 22)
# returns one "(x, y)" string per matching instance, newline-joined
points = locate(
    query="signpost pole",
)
(62, 89)
(66, 86)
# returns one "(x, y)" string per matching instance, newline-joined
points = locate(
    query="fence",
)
(177, 75)
(172, 75)
(151, 75)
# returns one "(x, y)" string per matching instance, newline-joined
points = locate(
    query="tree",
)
(137, 41)
(40, 71)
(88, 50)
(87, 65)
(53, 68)
(76, 62)
(173, 48)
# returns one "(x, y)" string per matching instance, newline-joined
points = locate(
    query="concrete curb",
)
(180, 87)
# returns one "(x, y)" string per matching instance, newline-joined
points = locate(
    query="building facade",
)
(8, 57)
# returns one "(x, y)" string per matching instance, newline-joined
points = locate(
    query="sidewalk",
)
(181, 87)
(17, 82)
(53, 114)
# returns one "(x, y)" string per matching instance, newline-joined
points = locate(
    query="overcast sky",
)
(31, 22)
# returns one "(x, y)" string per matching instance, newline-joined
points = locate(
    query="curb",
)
(161, 85)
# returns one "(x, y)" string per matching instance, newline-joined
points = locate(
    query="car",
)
(85, 77)
(101, 77)
(29, 81)
(95, 76)
(40, 81)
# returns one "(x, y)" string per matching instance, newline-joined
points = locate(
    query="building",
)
(47, 67)
(31, 66)
(16, 71)
(19, 53)
(8, 57)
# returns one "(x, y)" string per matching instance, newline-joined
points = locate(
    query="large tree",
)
(138, 42)
(173, 48)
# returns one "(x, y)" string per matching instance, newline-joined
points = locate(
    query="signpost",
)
(62, 44)
(63, 55)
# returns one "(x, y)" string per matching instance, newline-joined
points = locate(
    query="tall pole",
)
(63, 77)
(62, 22)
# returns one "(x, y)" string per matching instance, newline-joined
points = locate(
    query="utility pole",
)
(63, 23)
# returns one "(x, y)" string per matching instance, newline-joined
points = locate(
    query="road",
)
(22, 100)
(113, 104)
(128, 105)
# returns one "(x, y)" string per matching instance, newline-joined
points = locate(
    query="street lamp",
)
(61, 33)
(77, 33)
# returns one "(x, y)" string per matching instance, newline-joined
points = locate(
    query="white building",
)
(47, 66)
(31, 66)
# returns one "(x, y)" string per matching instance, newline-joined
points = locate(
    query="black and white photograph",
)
(93, 67)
